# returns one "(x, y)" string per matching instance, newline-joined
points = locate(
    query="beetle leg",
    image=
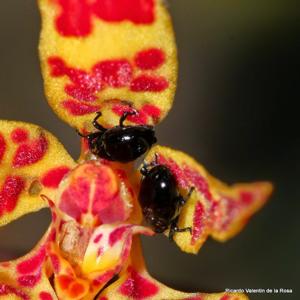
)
(145, 168)
(174, 229)
(190, 193)
(81, 135)
(182, 201)
(125, 115)
(155, 162)
(90, 137)
(96, 124)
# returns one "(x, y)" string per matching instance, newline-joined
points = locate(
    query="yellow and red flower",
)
(113, 56)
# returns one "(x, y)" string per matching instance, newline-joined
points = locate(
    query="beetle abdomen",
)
(158, 197)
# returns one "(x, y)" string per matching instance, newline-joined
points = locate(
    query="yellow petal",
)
(110, 56)
(213, 208)
(32, 162)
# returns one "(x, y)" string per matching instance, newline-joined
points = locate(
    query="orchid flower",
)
(112, 56)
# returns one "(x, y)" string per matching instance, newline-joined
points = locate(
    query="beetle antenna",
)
(125, 115)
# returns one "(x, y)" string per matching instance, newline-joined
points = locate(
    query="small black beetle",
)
(120, 143)
(160, 200)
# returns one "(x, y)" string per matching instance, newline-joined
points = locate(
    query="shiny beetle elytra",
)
(120, 143)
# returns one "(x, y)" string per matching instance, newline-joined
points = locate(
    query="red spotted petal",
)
(98, 53)
(135, 283)
(236, 205)
(213, 208)
(32, 162)
(26, 278)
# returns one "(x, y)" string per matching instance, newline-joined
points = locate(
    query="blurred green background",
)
(235, 111)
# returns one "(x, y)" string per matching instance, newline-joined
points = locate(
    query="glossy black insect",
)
(120, 143)
(160, 200)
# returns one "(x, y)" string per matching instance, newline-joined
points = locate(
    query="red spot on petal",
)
(54, 176)
(2, 147)
(100, 251)
(118, 211)
(98, 238)
(231, 211)
(138, 287)
(103, 196)
(117, 235)
(75, 199)
(198, 181)
(57, 66)
(136, 11)
(9, 195)
(8, 290)
(127, 247)
(52, 235)
(115, 73)
(76, 289)
(5, 264)
(142, 115)
(55, 262)
(246, 198)
(104, 278)
(64, 281)
(45, 296)
(33, 263)
(147, 83)
(152, 110)
(226, 297)
(50, 202)
(76, 108)
(54, 216)
(61, 224)
(79, 78)
(150, 59)
(84, 86)
(139, 118)
(19, 135)
(81, 93)
(198, 221)
(75, 18)
(28, 154)
(29, 280)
